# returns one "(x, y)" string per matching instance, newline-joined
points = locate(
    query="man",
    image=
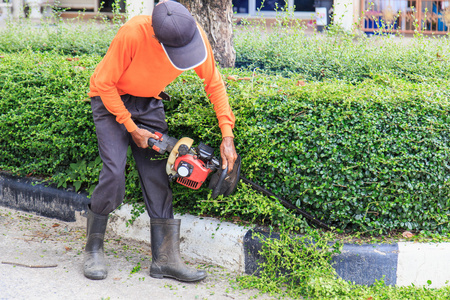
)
(145, 56)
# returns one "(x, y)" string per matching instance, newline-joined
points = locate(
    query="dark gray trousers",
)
(113, 142)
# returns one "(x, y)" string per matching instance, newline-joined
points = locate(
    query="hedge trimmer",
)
(190, 166)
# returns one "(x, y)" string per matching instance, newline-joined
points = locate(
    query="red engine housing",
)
(198, 172)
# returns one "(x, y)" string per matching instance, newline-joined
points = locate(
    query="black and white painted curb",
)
(236, 247)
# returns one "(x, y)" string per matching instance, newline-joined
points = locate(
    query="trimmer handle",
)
(162, 144)
(224, 183)
(216, 190)
(155, 144)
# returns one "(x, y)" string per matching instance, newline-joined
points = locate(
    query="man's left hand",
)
(228, 153)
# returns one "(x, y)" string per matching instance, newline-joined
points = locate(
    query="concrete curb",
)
(235, 247)
(205, 239)
(29, 196)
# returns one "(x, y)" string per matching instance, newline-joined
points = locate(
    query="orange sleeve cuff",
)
(227, 131)
(130, 125)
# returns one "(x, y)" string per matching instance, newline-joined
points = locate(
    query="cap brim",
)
(190, 56)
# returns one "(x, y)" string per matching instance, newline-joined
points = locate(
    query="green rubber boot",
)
(94, 257)
(166, 259)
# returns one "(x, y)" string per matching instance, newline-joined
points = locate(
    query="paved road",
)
(41, 258)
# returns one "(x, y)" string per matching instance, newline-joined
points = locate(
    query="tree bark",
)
(215, 17)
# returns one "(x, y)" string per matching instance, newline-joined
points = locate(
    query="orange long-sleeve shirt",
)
(136, 64)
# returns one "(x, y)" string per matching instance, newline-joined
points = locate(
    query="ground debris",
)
(28, 266)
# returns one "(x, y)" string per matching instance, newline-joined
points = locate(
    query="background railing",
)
(406, 16)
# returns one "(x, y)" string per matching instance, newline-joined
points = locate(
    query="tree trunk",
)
(215, 17)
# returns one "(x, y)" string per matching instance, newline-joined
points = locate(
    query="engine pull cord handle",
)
(222, 177)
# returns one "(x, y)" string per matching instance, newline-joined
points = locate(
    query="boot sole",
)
(101, 277)
(161, 276)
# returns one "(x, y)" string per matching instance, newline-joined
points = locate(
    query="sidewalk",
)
(229, 247)
(42, 258)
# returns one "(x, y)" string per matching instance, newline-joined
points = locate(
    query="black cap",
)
(179, 35)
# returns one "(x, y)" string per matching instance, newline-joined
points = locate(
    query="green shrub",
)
(45, 122)
(281, 50)
(276, 50)
(253, 207)
(71, 38)
(370, 156)
(362, 154)
(295, 268)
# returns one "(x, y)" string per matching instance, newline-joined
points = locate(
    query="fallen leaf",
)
(236, 219)
(117, 278)
(245, 78)
(407, 234)
(55, 225)
(68, 249)
(72, 59)
(80, 68)
(301, 83)
(232, 77)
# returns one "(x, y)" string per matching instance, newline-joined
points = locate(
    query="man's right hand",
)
(140, 137)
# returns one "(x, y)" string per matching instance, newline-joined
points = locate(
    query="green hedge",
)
(276, 50)
(45, 121)
(368, 156)
(331, 55)
(65, 37)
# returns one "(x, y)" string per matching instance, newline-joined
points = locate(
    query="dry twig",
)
(28, 266)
